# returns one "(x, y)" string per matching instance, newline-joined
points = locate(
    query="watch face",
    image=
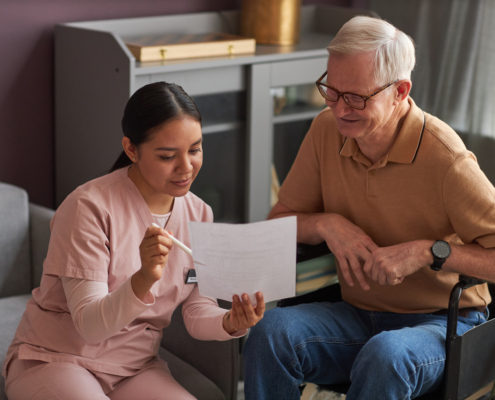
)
(441, 249)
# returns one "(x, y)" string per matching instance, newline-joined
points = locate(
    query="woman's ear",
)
(129, 148)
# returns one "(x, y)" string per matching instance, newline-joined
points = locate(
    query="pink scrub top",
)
(95, 235)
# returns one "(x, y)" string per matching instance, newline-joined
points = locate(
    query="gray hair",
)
(394, 50)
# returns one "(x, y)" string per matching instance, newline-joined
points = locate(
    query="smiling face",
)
(166, 165)
(355, 74)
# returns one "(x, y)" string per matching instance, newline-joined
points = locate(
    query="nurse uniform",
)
(95, 238)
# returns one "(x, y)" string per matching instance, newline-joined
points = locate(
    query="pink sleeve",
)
(97, 314)
(79, 241)
(204, 318)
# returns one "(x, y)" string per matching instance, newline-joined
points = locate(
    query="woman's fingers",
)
(157, 238)
(237, 309)
(152, 231)
(260, 305)
(249, 313)
(155, 253)
(155, 245)
(243, 315)
(154, 250)
(234, 321)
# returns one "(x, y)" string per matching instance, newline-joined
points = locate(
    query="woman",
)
(111, 280)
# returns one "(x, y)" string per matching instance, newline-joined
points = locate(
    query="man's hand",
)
(390, 265)
(350, 245)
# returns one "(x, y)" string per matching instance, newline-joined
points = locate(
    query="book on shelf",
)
(185, 45)
(326, 262)
(315, 284)
(316, 273)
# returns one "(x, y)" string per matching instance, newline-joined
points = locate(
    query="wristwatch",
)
(440, 251)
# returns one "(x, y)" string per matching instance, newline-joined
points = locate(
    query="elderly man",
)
(405, 209)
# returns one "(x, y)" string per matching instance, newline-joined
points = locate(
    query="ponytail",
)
(122, 161)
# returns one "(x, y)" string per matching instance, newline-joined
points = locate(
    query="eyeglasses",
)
(353, 100)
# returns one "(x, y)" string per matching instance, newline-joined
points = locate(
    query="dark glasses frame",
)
(323, 92)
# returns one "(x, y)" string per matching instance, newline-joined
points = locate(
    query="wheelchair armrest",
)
(470, 281)
(465, 282)
(307, 252)
(453, 343)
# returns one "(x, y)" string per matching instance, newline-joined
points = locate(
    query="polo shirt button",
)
(372, 172)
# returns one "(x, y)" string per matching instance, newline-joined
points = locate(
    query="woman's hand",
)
(243, 315)
(154, 251)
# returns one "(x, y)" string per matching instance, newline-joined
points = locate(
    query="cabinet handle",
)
(163, 53)
(230, 49)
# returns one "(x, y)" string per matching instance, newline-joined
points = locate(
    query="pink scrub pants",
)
(38, 380)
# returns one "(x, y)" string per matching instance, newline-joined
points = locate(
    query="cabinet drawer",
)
(203, 81)
(297, 72)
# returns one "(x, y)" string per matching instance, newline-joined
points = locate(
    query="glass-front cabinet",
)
(294, 108)
(221, 182)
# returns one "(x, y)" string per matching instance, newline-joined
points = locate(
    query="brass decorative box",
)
(182, 46)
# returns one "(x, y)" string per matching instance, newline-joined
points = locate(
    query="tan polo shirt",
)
(427, 187)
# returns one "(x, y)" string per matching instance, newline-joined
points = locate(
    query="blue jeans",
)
(385, 355)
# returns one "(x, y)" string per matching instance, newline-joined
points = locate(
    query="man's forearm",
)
(307, 225)
(472, 260)
(469, 259)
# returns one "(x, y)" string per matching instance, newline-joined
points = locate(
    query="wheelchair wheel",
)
(321, 394)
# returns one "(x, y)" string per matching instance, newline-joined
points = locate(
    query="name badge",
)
(191, 277)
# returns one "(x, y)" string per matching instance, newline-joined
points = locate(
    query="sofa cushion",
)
(39, 218)
(15, 254)
(11, 310)
(190, 378)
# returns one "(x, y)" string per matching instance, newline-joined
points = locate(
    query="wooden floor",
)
(308, 391)
(310, 388)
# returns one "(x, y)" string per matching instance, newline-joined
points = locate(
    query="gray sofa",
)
(209, 370)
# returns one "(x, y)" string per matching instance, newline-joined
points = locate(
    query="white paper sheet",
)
(246, 258)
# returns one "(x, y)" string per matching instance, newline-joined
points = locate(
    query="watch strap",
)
(437, 263)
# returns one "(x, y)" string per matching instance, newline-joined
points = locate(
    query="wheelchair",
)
(470, 361)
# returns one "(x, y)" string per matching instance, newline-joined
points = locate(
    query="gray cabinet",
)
(95, 74)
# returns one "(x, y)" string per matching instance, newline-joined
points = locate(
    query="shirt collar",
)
(406, 145)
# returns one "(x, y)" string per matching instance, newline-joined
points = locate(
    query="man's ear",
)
(403, 89)
(130, 149)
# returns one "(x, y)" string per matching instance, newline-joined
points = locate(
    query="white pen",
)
(177, 242)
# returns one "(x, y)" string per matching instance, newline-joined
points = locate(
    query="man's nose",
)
(340, 107)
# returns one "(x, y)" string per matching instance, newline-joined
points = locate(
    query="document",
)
(245, 258)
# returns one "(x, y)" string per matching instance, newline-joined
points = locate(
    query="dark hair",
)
(150, 107)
